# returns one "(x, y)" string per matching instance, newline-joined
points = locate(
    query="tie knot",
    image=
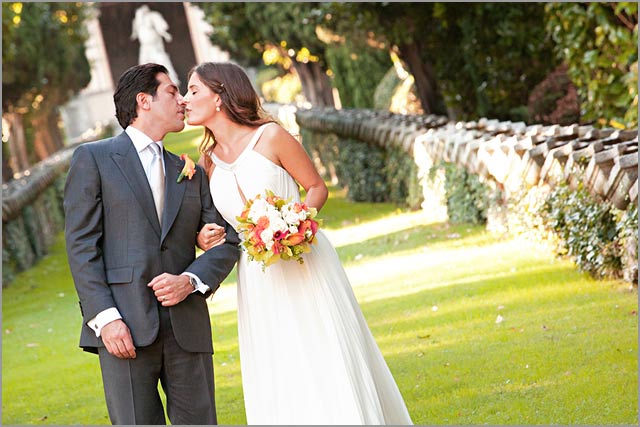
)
(155, 148)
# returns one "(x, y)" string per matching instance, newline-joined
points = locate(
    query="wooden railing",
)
(32, 213)
(512, 155)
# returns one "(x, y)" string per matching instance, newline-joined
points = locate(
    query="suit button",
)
(163, 248)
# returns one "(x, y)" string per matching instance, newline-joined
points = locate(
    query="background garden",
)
(495, 298)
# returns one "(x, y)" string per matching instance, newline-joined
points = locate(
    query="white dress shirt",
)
(141, 142)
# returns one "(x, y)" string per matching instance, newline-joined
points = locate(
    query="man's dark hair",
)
(139, 78)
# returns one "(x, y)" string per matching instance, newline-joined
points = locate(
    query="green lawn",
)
(476, 328)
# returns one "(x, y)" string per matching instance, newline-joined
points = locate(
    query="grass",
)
(565, 351)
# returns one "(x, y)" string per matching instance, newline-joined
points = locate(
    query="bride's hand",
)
(211, 235)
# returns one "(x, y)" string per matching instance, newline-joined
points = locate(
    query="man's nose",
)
(182, 99)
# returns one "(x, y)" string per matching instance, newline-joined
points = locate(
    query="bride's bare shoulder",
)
(277, 135)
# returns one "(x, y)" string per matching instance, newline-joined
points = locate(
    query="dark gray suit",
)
(116, 245)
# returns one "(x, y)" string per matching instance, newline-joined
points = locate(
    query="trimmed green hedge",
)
(369, 172)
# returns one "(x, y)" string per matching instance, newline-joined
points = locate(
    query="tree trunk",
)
(315, 83)
(18, 158)
(426, 84)
(7, 172)
(53, 119)
(43, 144)
(306, 81)
(322, 84)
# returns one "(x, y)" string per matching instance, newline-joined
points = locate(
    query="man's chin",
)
(178, 127)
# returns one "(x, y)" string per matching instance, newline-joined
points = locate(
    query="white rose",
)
(267, 236)
(277, 224)
(291, 218)
(258, 209)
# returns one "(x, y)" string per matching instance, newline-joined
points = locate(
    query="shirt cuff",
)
(102, 318)
(200, 287)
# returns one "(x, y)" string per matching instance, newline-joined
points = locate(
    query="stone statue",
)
(150, 28)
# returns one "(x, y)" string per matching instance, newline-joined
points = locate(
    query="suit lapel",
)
(174, 192)
(128, 161)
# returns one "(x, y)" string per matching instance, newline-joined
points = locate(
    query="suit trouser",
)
(131, 385)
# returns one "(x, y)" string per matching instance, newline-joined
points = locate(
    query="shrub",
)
(588, 230)
(467, 197)
(555, 99)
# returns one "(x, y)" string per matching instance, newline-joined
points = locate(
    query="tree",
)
(598, 41)
(358, 64)
(44, 64)
(495, 54)
(468, 60)
(285, 28)
(399, 25)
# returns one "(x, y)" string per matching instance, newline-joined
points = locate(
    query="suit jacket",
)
(116, 245)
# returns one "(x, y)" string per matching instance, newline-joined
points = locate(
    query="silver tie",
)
(156, 179)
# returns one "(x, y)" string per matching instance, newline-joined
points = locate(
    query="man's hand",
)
(211, 235)
(170, 289)
(117, 339)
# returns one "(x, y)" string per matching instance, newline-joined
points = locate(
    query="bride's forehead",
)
(195, 79)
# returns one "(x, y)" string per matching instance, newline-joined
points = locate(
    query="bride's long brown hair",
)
(239, 100)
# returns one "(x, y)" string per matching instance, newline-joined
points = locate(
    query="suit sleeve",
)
(84, 233)
(213, 266)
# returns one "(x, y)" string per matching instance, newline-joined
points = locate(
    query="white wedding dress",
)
(306, 353)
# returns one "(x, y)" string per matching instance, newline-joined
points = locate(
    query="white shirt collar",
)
(140, 139)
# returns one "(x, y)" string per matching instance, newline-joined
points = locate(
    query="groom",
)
(131, 234)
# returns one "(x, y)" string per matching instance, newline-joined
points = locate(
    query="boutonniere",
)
(189, 168)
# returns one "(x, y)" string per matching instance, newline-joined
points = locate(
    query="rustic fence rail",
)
(512, 158)
(32, 213)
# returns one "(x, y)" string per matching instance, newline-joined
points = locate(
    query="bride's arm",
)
(294, 159)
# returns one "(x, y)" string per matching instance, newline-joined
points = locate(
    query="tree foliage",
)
(478, 60)
(403, 26)
(234, 31)
(43, 65)
(599, 42)
(358, 66)
(468, 60)
(43, 53)
(283, 33)
(491, 56)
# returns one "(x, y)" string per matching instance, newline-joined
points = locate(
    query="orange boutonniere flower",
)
(189, 168)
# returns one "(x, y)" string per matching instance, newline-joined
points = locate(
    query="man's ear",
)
(143, 100)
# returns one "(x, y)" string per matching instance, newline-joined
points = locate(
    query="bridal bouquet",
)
(272, 228)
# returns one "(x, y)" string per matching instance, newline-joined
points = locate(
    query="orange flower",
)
(294, 239)
(263, 222)
(189, 168)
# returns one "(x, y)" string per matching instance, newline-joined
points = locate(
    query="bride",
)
(306, 353)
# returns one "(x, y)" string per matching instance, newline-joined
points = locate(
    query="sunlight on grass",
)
(385, 225)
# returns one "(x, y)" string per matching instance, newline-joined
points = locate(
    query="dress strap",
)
(256, 136)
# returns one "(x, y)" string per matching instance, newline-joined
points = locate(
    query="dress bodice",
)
(254, 174)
